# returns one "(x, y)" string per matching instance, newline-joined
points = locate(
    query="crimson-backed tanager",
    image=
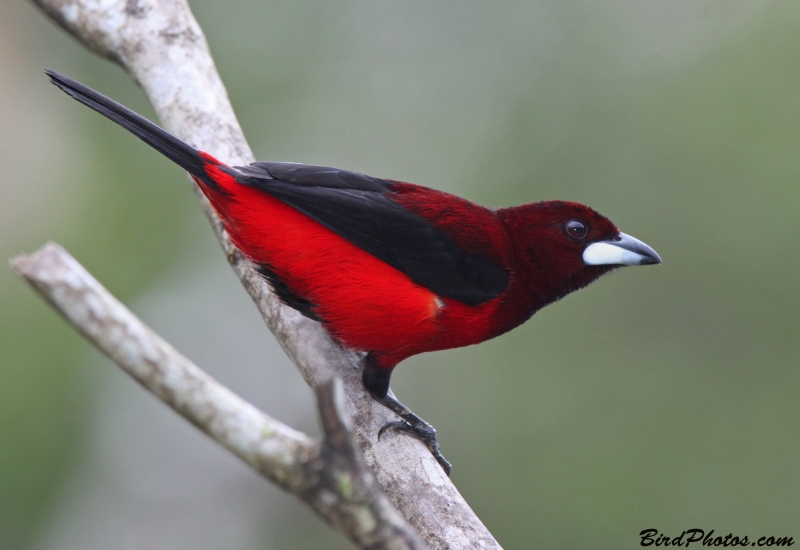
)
(389, 268)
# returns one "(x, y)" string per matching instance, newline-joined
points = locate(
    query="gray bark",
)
(329, 476)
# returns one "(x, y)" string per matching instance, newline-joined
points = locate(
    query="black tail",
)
(182, 154)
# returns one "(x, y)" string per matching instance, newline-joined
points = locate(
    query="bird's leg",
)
(414, 426)
(376, 381)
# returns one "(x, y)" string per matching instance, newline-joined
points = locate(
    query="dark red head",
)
(560, 247)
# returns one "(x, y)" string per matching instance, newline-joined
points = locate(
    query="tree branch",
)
(161, 45)
(329, 475)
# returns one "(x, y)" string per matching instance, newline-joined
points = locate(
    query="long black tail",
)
(183, 154)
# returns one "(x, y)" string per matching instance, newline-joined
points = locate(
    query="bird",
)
(392, 269)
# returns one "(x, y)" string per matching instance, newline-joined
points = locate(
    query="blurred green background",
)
(659, 398)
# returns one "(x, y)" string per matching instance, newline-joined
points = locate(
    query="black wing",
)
(360, 209)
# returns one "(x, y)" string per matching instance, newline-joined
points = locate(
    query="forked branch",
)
(159, 43)
(329, 475)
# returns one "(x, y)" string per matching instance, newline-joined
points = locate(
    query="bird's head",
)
(564, 246)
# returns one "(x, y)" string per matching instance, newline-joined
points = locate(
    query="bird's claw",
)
(425, 433)
(398, 425)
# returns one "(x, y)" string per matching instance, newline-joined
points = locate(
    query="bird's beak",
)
(623, 250)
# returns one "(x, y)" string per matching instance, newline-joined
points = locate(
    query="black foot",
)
(415, 427)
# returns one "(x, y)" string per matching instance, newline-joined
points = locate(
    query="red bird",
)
(390, 268)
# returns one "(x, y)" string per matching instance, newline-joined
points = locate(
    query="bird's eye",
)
(576, 228)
